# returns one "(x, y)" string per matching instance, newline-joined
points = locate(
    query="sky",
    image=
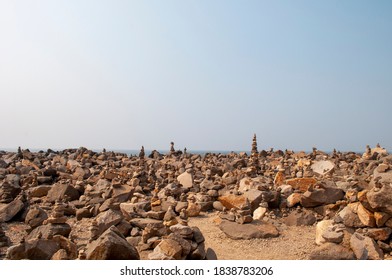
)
(204, 74)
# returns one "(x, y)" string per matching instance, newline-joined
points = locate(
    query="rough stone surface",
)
(248, 231)
(365, 248)
(111, 245)
(10, 210)
(332, 251)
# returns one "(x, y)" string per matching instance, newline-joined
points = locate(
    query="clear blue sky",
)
(204, 74)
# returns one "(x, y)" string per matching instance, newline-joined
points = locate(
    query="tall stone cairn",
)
(254, 145)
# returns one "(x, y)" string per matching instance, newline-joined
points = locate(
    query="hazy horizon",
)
(203, 74)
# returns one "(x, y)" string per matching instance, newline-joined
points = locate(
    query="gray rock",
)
(365, 248)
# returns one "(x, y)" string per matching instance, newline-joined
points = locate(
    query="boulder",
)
(320, 196)
(10, 210)
(381, 198)
(111, 245)
(322, 167)
(331, 251)
(49, 230)
(321, 228)
(366, 217)
(35, 217)
(259, 213)
(40, 191)
(301, 184)
(167, 249)
(233, 201)
(349, 217)
(186, 179)
(63, 192)
(303, 218)
(107, 219)
(254, 197)
(293, 199)
(381, 234)
(365, 248)
(248, 231)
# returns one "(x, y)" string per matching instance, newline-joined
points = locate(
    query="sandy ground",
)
(294, 243)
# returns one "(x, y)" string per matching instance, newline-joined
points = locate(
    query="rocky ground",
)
(80, 204)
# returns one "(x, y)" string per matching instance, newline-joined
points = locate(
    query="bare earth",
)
(294, 243)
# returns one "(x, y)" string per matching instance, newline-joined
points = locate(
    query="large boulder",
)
(186, 179)
(381, 198)
(331, 251)
(365, 248)
(248, 231)
(233, 201)
(35, 217)
(64, 192)
(303, 218)
(323, 167)
(320, 196)
(301, 184)
(10, 210)
(348, 216)
(111, 245)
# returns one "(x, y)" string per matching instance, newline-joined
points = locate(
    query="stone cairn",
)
(57, 216)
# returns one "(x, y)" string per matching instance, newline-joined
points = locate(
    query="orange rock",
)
(366, 217)
(381, 218)
(279, 179)
(233, 201)
(293, 199)
(301, 184)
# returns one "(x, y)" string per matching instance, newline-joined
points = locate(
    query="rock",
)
(321, 196)
(349, 217)
(331, 251)
(233, 201)
(49, 230)
(217, 205)
(254, 197)
(248, 231)
(366, 217)
(211, 255)
(111, 245)
(186, 179)
(193, 209)
(197, 235)
(35, 217)
(185, 244)
(40, 249)
(381, 218)
(166, 249)
(381, 234)
(365, 248)
(142, 223)
(184, 231)
(259, 213)
(40, 191)
(323, 167)
(304, 218)
(301, 184)
(321, 228)
(83, 213)
(331, 234)
(10, 210)
(381, 198)
(60, 255)
(107, 219)
(293, 199)
(199, 253)
(64, 192)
